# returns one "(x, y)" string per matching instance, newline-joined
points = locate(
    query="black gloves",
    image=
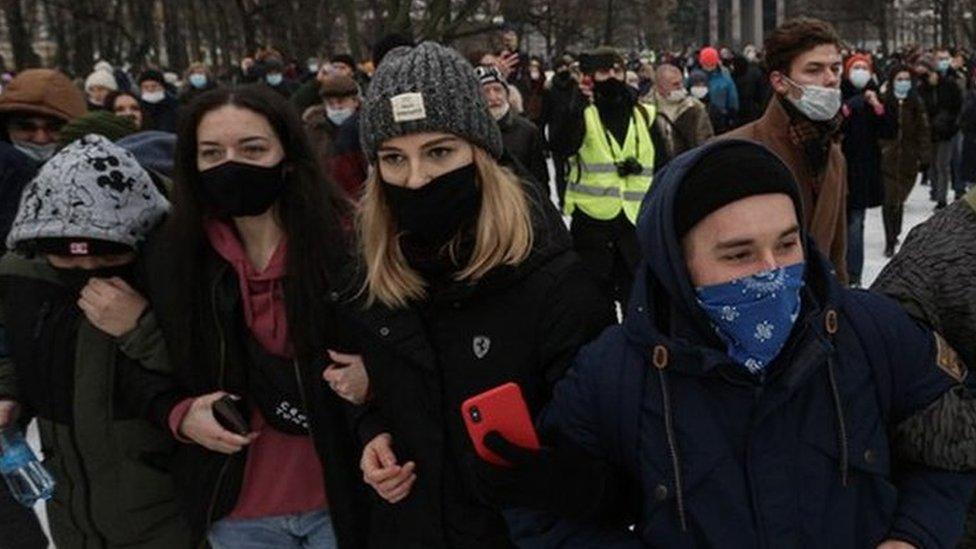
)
(562, 480)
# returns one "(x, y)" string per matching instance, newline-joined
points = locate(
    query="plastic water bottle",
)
(28, 480)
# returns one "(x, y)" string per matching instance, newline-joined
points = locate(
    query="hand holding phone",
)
(501, 410)
(226, 413)
(217, 427)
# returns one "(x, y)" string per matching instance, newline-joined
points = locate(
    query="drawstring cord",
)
(660, 360)
(661, 363)
(830, 322)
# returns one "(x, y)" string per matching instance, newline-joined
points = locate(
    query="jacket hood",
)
(45, 92)
(663, 304)
(91, 189)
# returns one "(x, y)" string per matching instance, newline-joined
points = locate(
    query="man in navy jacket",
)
(748, 399)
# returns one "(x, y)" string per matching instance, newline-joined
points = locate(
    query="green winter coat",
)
(113, 489)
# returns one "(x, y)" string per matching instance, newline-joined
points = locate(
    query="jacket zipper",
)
(86, 482)
(220, 385)
(301, 392)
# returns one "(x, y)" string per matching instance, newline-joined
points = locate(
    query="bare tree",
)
(20, 39)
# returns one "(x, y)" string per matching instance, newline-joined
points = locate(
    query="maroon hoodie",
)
(283, 474)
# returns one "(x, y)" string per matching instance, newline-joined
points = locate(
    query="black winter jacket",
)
(863, 130)
(525, 143)
(943, 103)
(215, 359)
(521, 324)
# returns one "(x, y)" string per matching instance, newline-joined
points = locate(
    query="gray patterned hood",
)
(91, 189)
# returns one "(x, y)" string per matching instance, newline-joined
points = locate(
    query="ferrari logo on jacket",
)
(481, 344)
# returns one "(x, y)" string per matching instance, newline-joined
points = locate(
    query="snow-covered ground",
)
(918, 208)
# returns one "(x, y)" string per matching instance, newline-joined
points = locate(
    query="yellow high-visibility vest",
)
(593, 185)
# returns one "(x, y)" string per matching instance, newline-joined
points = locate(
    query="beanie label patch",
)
(408, 107)
(79, 248)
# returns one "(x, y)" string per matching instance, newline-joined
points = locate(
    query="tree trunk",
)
(83, 39)
(20, 38)
(352, 28)
(247, 26)
(608, 29)
(175, 44)
(56, 17)
(196, 51)
(222, 36)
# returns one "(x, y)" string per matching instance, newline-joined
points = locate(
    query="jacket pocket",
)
(146, 456)
(708, 502)
(849, 491)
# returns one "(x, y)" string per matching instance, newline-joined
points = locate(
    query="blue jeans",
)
(855, 245)
(305, 530)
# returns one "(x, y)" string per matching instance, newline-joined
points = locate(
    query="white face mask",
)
(678, 95)
(817, 102)
(153, 97)
(699, 91)
(39, 153)
(860, 78)
(338, 116)
(499, 112)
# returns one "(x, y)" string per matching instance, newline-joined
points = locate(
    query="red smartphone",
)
(500, 409)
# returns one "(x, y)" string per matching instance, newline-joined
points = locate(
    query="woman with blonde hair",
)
(469, 282)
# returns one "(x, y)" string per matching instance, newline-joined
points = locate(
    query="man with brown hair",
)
(802, 125)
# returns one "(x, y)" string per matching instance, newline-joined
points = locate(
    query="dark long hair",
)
(889, 99)
(112, 97)
(310, 209)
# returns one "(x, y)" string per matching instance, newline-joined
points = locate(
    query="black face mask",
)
(76, 279)
(236, 189)
(611, 90)
(434, 213)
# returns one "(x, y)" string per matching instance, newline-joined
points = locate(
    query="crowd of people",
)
(245, 310)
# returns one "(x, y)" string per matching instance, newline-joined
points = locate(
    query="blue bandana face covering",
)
(754, 315)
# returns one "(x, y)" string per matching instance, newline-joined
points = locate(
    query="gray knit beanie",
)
(428, 88)
(91, 189)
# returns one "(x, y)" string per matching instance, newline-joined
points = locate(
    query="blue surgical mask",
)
(902, 87)
(338, 116)
(37, 153)
(754, 315)
(944, 65)
(273, 79)
(198, 80)
(860, 78)
(818, 103)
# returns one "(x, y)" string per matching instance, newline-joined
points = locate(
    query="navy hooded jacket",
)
(714, 457)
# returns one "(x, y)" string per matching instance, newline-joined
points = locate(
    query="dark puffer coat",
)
(716, 457)
(521, 324)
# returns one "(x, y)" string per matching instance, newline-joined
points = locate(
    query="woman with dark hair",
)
(123, 103)
(904, 156)
(243, 281)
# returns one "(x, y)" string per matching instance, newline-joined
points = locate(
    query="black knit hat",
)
(345, 59)
(152, 74)
(727, 174)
